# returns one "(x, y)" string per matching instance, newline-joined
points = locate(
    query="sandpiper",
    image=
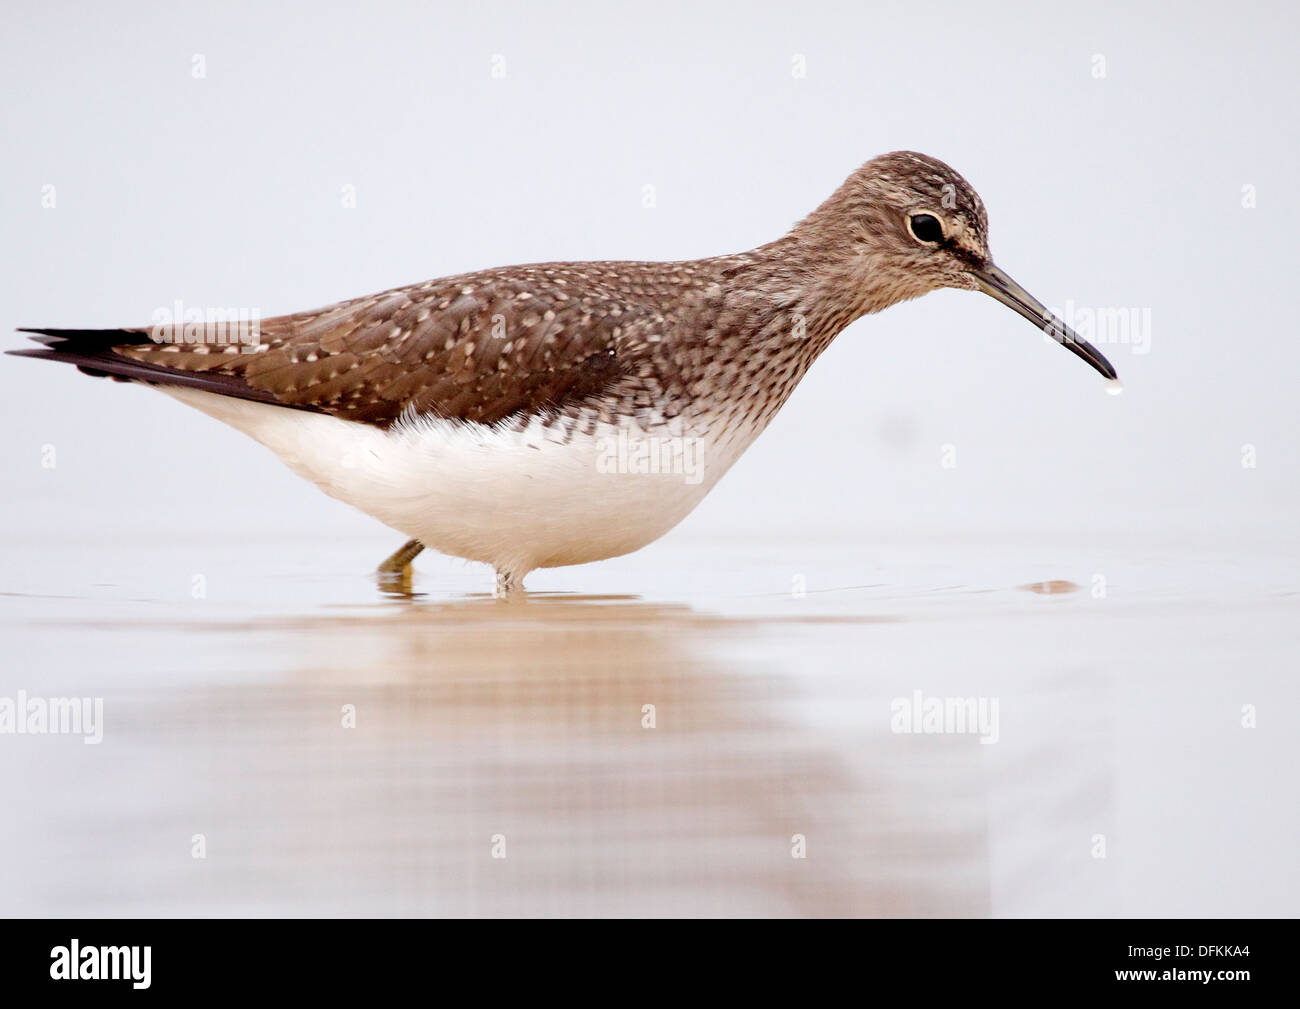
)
(561, 413)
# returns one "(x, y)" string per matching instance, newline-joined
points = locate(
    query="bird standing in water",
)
(561, 413)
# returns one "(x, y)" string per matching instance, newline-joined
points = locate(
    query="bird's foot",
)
(508, 586)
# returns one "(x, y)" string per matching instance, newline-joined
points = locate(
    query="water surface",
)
(1120, 782)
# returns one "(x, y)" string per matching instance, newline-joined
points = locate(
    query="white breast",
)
(515, 499)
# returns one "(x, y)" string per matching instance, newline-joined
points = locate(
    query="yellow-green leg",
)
(395, 572)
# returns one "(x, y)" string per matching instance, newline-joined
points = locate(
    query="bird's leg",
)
(395, 571)
(401, 559)
(508, 584)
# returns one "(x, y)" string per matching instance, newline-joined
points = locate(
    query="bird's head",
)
(909, 225)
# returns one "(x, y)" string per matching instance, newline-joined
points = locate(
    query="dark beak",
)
(997, 284)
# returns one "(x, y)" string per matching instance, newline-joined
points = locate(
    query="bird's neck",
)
(767, 316)
(807, 286)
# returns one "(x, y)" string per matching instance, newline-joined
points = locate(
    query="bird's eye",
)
(926, 227)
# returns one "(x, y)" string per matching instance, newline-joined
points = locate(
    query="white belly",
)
(515, 499)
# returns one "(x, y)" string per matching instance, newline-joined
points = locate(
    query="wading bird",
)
(479, 414)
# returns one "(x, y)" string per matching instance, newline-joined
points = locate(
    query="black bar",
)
(916, 959)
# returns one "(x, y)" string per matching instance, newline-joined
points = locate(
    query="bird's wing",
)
(480, 347)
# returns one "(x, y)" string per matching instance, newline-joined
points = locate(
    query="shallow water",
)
(485, 728)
